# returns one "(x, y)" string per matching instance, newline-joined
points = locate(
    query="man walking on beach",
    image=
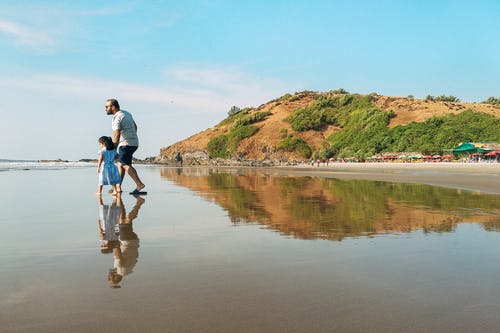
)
(126, 140)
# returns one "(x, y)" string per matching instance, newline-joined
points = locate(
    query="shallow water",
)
(243, 250)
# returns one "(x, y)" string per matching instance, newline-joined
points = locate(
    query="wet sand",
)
(208, 262)
(477, 177)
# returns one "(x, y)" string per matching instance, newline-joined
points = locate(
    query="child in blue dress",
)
(106, 167)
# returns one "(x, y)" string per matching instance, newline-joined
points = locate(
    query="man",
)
(126, 140)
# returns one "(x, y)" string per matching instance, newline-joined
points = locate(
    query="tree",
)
(233, 110)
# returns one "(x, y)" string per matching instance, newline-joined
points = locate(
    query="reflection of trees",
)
(333, 209)
(242, 204)
(330, 208)
(492, 226)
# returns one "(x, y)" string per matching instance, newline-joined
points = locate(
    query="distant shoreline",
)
(476, 177)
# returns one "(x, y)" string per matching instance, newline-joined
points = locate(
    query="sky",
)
(179, 66)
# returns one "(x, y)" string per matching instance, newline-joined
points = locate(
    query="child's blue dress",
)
(109, 174)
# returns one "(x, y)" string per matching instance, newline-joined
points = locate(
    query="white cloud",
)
(26, 35)
(205, 76)
(209, 90)
(229, 84)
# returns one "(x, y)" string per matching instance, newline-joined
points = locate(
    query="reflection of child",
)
(108, 225)
(106, 167)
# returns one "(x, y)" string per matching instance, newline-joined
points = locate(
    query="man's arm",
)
(116, 137)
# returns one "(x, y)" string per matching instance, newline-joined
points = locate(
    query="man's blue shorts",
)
(125, 154)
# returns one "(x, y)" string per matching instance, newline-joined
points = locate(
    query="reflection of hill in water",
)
(326, 208)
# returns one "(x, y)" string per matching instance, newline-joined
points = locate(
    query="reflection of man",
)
(125, 246)
(128, 252)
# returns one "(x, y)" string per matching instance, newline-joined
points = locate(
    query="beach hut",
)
(472, 148)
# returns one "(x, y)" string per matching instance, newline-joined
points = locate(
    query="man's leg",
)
(135, 177)
(133, 213)
(121, 170)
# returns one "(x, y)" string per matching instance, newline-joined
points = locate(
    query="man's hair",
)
(114, 103)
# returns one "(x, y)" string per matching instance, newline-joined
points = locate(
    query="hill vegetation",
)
(340, 124)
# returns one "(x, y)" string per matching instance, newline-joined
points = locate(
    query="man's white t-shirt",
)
(123, 121)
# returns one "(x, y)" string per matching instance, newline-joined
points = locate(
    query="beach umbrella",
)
(427, 156)
(436, 156)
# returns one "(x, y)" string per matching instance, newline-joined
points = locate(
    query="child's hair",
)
(107, 142)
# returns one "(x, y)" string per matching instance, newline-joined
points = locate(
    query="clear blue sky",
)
(179, 66)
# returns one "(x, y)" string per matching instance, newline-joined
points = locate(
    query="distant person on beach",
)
(106, 167)
(178, 158)
(125, 140)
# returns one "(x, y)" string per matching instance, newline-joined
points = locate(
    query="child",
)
(108, 171)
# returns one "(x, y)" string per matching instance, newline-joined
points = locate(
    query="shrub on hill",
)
(251, 118)
(235, 116)
(492, 100)
(341, 91)
(442, 98)
(364, 134)
(239, 133)
(217, 147)
(326, 111)
(224, 146)
(296, 145)
(287, 97)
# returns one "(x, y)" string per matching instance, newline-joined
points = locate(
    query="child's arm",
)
(99, 228)
(99, 162)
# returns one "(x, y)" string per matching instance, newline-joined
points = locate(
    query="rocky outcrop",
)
(202, 158)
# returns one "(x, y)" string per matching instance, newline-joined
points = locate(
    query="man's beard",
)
(109, 112)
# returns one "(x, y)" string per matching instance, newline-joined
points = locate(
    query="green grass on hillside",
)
(363, 130)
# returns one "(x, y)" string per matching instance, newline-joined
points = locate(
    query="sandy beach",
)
(477, 177)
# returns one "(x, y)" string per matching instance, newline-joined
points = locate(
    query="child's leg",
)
(116, 189)
(99, 189)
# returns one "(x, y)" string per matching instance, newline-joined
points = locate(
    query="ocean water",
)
(20, 165)
(211, 250)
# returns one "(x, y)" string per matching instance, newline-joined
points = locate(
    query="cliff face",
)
(262, 146)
